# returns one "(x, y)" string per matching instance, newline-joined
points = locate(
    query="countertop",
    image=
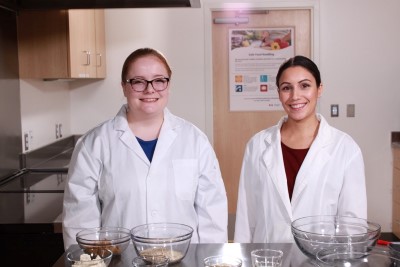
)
(53, 157)
(292, 256)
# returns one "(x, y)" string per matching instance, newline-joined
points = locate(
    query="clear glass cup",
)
(266, 258)
(222, 261)
(150, 261)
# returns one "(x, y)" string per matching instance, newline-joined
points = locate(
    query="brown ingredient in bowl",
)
(172, 255)
(108, 245)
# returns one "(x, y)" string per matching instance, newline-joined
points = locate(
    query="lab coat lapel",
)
(127, 137)
(273, 161)
(315, 160)
(166, 137)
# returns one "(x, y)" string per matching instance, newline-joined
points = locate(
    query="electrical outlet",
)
(26, 141)
(29, 198)
(60, 179)
(57, 132)
(31, 139)
(60, 130)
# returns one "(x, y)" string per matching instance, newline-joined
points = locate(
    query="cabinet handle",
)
(87, 58)
(99, 59)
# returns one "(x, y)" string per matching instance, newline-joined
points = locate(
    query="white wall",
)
(178, 33)
(358, 61)
(43, 105)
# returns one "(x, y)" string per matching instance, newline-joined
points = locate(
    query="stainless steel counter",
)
(292, 256)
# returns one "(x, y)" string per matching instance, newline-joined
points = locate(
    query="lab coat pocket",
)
(185, 174)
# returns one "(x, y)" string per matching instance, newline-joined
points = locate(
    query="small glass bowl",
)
(105, 255)
(266, 257)
(222, 260)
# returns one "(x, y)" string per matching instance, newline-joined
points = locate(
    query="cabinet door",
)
(100, 44)
(43, 44)
(82, 43)
(61, 44)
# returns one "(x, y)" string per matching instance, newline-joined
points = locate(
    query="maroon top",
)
(292, 158)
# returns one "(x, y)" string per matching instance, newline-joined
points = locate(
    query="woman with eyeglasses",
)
(146, 165)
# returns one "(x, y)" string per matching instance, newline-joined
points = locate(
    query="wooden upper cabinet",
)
(57, 44)
(100, 43)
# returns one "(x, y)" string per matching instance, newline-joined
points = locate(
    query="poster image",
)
(254, 59)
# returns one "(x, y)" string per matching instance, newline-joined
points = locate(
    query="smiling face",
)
(149, 102)
(298, 93)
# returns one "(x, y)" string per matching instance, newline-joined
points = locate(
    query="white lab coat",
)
(112, 183)
(331, 181)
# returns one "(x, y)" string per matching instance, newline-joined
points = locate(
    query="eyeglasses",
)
(139, 85)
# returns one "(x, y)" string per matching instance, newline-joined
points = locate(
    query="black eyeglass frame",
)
(148, 82)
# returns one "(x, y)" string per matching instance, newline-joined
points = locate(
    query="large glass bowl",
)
(169, 239)
(345, 256)
(315, 233)
(115, 239)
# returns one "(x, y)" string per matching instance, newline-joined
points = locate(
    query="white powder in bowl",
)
(86, 261)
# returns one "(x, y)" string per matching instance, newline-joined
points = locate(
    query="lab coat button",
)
(154, 213)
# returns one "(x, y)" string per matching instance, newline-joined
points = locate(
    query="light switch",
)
(335, 110)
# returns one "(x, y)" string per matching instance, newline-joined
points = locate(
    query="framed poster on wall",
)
(254, 59)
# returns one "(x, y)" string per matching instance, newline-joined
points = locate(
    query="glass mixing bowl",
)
(169, 239)
(345, 256)
(315, 233)
(115, 239)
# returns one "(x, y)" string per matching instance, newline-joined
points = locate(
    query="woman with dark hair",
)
(145, 165)
(300, 167)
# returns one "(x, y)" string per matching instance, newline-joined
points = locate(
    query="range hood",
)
(101, 4)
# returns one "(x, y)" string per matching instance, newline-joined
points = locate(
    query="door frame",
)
(213, 5)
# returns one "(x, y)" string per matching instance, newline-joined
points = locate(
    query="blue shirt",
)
(148, 147)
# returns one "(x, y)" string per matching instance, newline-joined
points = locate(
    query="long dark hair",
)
(300, 61)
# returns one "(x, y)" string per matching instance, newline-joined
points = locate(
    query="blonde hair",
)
(142, 52)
